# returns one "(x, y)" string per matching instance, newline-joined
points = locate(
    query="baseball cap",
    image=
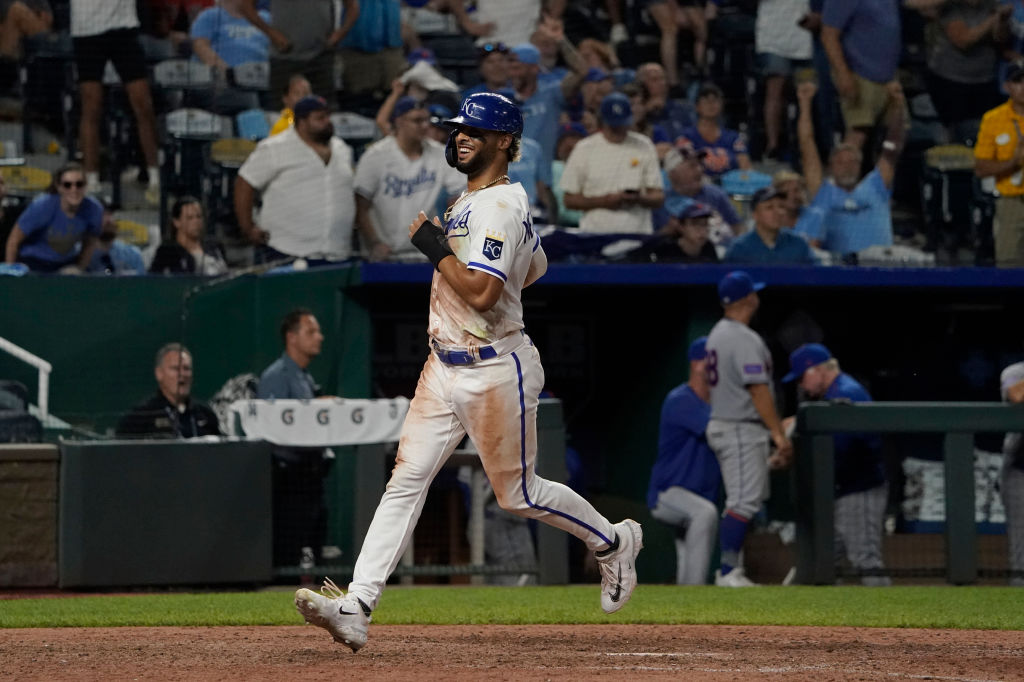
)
(423, 54)
(439, 113)
(805, 357)
(527, 53)
(567, 129)
(695, 209)
(404, 105)
(595, 74)
(736, 285)
(1015, 70)
(709, 89)
(698, 350)
(764, 194)
(676, 156)
(308, 104)
(616, 110)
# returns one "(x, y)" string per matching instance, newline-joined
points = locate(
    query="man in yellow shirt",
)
(999, 153)
(298, 87)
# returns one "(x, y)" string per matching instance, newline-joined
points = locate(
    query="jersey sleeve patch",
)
(493, 245)
(753, 369)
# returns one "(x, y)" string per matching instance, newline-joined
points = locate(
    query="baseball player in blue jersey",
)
(744, 422)
(1012, 390)
(685, 480)
(482, 377)
(860, 487)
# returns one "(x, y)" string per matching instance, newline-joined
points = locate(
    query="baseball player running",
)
(481, 378)
(1012, 389)
(744, 421)
(860, 487)
(685, 480)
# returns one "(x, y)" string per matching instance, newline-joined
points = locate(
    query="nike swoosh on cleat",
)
(343, 612)
(618, 586)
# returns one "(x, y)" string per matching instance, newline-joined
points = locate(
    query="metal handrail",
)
(44, 368)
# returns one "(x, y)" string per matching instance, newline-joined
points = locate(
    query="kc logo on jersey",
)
(493, 245)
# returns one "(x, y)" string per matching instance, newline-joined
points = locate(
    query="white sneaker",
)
(734, 578)
(340, 614)
(618, 569)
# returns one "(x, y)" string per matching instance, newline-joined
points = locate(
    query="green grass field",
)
(994, 608)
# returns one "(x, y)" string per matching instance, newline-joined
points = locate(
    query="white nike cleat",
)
(618, 569)
(340, 614)
(734, 578)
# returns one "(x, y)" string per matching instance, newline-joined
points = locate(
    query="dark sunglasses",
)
(488, 48)
(79, 184)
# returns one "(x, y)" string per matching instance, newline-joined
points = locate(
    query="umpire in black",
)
(300, 513)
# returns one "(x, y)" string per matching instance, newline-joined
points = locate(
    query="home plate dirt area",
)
(529, 652)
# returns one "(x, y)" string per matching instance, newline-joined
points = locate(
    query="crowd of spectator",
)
(806, 97)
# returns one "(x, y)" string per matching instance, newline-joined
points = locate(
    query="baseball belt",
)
(450, 355)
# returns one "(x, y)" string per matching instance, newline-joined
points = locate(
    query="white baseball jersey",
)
(489, 230)
(399, 187)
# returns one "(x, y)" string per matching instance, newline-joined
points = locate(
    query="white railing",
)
(43, 397)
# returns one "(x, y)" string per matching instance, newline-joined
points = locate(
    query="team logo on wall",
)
(493, 245)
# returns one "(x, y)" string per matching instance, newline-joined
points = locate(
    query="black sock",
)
(611, 548)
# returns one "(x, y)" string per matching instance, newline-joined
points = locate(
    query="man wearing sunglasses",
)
(482, 379)
(58, 231)
(493, 65)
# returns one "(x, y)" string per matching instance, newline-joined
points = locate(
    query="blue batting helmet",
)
(487, 111)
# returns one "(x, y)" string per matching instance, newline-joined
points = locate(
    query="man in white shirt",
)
(305, 177)
(397, 177)
(613, 176)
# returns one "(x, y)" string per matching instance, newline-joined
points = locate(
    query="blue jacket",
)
(684, 457)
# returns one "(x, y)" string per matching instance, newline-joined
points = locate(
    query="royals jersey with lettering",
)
(399, 187)
(489, 230)
(737, 358)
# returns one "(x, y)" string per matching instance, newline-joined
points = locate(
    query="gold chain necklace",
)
(495, 181)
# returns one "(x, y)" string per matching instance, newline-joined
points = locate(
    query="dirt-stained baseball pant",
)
(695, 521)
(742, 450)
(495, 402)
(858, 520)
(1013, 501)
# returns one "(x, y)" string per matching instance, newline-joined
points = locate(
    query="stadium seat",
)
(252, 76)
(193, 123)
(182, 74)
(352, 126)
(133, 232)
(25, 180)
(252, 124)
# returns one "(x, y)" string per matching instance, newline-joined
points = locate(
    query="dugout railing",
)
(818, 422)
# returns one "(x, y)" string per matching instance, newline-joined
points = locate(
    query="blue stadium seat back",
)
(741, 183)
(349, 125)
(252, 124)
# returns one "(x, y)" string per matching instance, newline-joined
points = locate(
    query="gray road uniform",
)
(738, 358)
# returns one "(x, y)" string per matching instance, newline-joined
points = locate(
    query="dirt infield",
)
(538, 652)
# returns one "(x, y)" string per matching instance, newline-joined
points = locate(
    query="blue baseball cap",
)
(404, 105)
(438, 114)
(527, 53)
(595, 74)
(803, 358)
(736, 285)
(423, 54)
(571, 128)
(695, 209)
(698, 349)
(308, 104)
(616, 110)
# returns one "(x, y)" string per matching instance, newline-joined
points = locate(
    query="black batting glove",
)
(430, 240)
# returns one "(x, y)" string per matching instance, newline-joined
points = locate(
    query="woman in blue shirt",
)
(58, 231)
